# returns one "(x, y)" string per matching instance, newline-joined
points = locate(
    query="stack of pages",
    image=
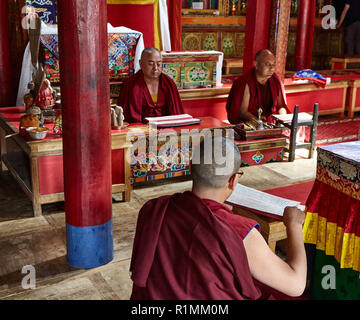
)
(173, 121)
(302, 116)
(260, 202)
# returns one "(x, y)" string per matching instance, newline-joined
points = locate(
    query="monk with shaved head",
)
(149, 93)
(190, 246)
(258, 88)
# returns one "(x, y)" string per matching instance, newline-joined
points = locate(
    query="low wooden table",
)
(261, 151)
(353, 101)
(37, 165)
(345, 63)
(271, 229)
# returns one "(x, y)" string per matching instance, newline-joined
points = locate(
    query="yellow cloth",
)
(154, 97)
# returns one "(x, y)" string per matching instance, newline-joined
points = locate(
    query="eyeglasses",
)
(240, 173)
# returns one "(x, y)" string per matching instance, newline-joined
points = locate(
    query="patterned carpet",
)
(336, 131)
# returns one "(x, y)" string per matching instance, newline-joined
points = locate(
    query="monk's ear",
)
(233, 181)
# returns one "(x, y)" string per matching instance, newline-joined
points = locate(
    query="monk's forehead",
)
(153, 55)
(267, 57)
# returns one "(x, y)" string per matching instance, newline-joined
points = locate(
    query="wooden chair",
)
(297, 122)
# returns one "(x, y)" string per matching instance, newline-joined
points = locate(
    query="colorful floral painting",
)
(122, 48)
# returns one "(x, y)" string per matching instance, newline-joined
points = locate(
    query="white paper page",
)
(302, 116)
(261, 201)
(174, 121)
(176, 117)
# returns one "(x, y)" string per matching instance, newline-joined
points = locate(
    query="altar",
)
(125, 48)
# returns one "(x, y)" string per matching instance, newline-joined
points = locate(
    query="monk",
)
(191, 246)
(149, 93)
(258, 88)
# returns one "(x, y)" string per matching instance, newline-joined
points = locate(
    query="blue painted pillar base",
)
(90, 247)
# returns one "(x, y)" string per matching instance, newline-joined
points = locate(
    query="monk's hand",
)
(293, 217)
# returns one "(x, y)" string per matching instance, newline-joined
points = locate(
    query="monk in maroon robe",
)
(258, 88)
(149, 93)
(191, 246)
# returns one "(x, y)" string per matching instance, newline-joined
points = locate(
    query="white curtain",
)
(164, 26)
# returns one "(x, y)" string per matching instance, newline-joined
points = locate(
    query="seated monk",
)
(258, 88)
(149, 93)
(190, 246)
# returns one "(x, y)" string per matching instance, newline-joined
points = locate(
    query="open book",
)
(173, 121)
(302, 116)
(260, 201)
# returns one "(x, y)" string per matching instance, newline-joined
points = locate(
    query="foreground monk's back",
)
(192, 252)
(149, 93)
(191, 246)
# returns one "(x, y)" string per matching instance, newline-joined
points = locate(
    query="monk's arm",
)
(288, 277)
(281, 105)
(245, 115)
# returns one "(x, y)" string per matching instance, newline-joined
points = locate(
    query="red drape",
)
(174, 12)
(136, 17)
(6, 80)
(256, 31)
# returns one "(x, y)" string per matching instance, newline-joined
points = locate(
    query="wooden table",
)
(353, 99)
(171, 155)
(38, 165)
(273, 230)
(331, 99)
(212, 101)
(261, 151)
(345, 63)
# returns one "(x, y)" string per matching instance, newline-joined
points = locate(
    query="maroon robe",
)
(186, 248)
(135, 98)
(237, 93)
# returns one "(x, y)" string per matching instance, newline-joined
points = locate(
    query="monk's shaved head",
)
(263, 53)
(149, 51)
(215, 160)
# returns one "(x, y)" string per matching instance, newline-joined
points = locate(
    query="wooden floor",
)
(40, 242)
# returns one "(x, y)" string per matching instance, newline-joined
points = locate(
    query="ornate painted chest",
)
(192, 69)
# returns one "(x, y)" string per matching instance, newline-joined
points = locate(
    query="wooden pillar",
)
(304, 34)
(256, 30)
(279, 32)
(85, 95)
(6, 79)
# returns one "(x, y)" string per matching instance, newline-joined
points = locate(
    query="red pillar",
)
(304, 34)
(85, 96)
(256, 30)
(6, 79)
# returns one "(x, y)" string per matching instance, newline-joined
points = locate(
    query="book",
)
(302, 116)
(173, 121)
(260, 201)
